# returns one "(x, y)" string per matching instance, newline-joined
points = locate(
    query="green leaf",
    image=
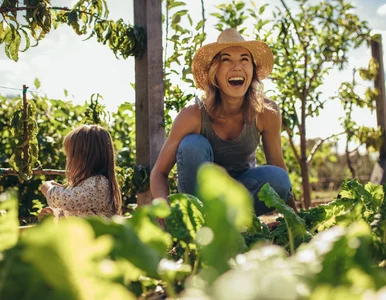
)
(37, 83)
(186, 217)
(228, 209)
(127, 244)
(9, 232)
(175, 4)
(228, 190)
(200, 25)
(144, 223)
(296, 227)
(69, 258)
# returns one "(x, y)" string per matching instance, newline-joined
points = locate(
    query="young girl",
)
(92, 187)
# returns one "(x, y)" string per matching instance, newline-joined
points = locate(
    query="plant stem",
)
(290, 237)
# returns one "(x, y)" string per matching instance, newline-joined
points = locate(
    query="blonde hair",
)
(253, 99)
(90, 151)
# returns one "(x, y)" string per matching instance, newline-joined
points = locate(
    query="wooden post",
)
(149, 87)
(378, 174)
(25, 126)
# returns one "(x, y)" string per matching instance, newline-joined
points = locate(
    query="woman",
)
(225, 128)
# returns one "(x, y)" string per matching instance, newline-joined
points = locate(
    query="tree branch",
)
(319, 144)
(291, 63)
(292, 20)
(293, 147)
(36, 171)
(316, 71)
(9, 9)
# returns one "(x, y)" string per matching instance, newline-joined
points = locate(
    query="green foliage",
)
(363, 135)
(295, 226)
(228, 210)
(129, 258)
(25, 144)
(230, 14)
(95, 112)
(55, 118)
(86, 17)
(8, 220)
(185, 220)
(180, 46)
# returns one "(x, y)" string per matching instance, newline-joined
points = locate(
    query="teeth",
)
(236, 79)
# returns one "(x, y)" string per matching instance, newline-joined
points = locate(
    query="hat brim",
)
(261, 54)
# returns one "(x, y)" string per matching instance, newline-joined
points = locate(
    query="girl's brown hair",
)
(253, 99)
(90, 151)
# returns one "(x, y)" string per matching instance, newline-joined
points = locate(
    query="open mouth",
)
(236, 81)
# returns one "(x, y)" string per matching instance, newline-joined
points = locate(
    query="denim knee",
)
(253, 179)
(194, 144)
(193, 151)
(281, 184)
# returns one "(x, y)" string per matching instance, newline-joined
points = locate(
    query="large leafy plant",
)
(338, 249)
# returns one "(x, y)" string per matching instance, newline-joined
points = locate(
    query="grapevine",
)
(25, 143)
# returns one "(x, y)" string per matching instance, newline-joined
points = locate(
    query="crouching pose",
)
(227, 125)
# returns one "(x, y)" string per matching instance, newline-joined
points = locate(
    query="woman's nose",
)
(236, 66)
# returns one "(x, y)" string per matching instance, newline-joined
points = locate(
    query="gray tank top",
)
(235, 156)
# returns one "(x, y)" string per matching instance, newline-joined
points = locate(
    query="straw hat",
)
(262, 55)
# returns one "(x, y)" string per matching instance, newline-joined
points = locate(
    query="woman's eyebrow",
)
(241, 55)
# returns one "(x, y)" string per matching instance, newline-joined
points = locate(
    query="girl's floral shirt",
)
(89, 198)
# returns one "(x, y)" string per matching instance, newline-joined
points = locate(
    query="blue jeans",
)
(195, 150)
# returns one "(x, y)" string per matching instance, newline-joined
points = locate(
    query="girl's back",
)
(90, 197)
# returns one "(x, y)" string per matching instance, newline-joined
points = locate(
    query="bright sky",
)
(64, 61)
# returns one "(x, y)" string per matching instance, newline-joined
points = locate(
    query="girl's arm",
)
(46, 186)
(187, 121)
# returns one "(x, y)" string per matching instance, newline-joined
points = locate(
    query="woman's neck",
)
(230, 107)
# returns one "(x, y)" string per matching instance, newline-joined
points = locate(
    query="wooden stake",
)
(378, 174)
(25, 126)
(149, 87)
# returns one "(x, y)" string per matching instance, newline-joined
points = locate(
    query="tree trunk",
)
(303, 154)
(305, 183)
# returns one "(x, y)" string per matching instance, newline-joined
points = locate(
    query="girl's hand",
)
(44, 213)
(46, 185)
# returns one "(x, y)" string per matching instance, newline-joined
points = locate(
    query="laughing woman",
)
(227, 125)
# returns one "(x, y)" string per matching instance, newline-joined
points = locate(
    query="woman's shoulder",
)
(270, 114)
(270, 106)
(193, 108)
(189, 117)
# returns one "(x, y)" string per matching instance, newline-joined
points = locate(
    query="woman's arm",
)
(187, 121)
(271, 133)
(270, 121)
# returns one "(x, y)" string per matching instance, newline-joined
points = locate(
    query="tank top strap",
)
(206, 126)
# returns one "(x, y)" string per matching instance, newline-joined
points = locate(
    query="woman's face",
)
(235, 72)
